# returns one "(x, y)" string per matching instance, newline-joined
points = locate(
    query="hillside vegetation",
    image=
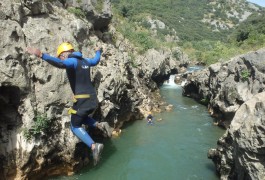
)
(207, 30)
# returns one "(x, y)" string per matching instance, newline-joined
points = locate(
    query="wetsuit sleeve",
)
(94, 61)
(67, 63)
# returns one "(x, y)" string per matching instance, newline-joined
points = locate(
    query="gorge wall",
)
(234, 93)
(35, 139)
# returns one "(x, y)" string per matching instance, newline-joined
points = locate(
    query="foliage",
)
(184, 16)
(254, 25)
(176, 55)
(245, 74)
(197, 39)
(98, 5)
(140, 37)
(132, 60)
(205, 101)
(41, 124)
(209, 52)
(77, 11)
(145, 24)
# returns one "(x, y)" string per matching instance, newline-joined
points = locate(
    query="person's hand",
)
(34, 51)
(98, 49)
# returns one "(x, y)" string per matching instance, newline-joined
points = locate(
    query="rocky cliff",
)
(35, 139)
(240, 152)
(234, 93)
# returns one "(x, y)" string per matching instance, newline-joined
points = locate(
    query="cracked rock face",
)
(226, 86)
(241, 151)
(31, 90)
(234, 92)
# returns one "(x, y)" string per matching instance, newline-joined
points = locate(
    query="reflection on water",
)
(174, 148)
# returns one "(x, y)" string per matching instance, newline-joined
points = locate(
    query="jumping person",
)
(78, 73)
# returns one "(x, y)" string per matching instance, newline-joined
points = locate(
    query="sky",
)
(259, 2)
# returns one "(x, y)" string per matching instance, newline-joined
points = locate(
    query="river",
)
(174, 148)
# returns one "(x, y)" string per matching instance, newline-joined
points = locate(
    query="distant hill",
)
(207, 30)
(192, 19)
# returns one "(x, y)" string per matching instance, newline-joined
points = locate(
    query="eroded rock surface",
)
(224, 87)
(234, 93)
(240, 153)
(31, 90)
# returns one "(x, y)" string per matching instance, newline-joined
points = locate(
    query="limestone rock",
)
(241, 151)
(234, 93)
(32, 91)
(225, 87)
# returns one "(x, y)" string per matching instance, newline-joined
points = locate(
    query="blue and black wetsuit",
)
(78, 73)
(149, 119)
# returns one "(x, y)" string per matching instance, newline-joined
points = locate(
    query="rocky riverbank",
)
(234, 94)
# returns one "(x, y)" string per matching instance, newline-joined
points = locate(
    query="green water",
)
(173, 149)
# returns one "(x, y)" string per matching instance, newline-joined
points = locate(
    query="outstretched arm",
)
(54, 61)
(50, 59)
(94, 61)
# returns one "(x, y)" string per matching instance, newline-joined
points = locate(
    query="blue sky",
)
(259, 2)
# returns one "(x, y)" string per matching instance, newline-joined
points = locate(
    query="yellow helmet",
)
(64, 47)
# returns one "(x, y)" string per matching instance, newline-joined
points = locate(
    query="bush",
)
(245, 74)
(139, 37)
(77, 11)
(176, 55)
(142, 38)
(41, 124)
(146, 24)
(98, 5)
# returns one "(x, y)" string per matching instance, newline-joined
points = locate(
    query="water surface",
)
(174, 148)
